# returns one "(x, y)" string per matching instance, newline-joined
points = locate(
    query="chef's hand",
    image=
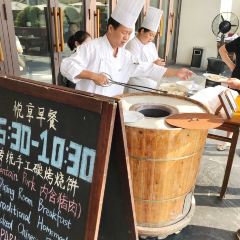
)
(184, 74)
(233, 83)
(160, 62)
(101, 79)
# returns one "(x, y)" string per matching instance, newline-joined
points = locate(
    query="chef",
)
(142, 45)
(90, 67)
(143, 48)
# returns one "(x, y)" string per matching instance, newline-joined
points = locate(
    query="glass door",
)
(101, 17)
(169, 29)
(42, 29)
(8, 55)
(32, 39)
(3, 62)
(173, 41)
(73, 20)
(163, 28)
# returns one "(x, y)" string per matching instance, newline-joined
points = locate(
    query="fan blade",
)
(218, 32)
(233, 25)
(222, 18)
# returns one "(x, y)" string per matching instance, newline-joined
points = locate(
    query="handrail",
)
(161, 27)
(55, 16)
(1, 53)
(61, 29)
(98, 22)
(172, 25)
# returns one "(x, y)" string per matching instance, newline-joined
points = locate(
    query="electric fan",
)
(225, 24)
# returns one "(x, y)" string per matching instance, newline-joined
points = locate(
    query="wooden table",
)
(229, 125)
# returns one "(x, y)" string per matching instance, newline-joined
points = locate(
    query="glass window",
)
(74, 19)
(31, 39)
(162, 43)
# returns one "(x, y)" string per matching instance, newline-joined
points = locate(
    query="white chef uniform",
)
(97, 56)
(145, 52)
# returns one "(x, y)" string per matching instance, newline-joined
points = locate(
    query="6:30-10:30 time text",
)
(79, 161)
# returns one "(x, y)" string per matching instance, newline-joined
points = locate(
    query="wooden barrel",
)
(164, 163)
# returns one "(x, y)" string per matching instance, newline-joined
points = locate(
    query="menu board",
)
(49, 151)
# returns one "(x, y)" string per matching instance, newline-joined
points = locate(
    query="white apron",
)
(115, 73)
(145, 53)
(97, 56)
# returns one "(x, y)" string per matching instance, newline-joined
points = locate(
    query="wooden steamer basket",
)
(164, 162)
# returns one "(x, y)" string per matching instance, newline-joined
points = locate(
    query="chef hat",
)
(152, 19)
(126, 12)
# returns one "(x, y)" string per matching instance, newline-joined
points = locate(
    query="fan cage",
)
(224, 19)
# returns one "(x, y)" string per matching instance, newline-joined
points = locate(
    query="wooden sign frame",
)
(107, 108)
(118, 219)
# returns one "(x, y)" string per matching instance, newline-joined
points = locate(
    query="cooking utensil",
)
(132, 86)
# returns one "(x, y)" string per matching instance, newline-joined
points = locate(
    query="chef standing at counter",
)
(87, 67)
(142, 46)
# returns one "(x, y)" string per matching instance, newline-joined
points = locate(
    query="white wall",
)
(195, 29)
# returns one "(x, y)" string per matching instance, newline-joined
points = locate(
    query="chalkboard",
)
(54, 153)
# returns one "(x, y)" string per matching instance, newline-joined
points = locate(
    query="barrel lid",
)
(195, 120)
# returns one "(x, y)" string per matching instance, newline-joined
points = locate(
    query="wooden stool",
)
(232, 125)
(229, 125)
